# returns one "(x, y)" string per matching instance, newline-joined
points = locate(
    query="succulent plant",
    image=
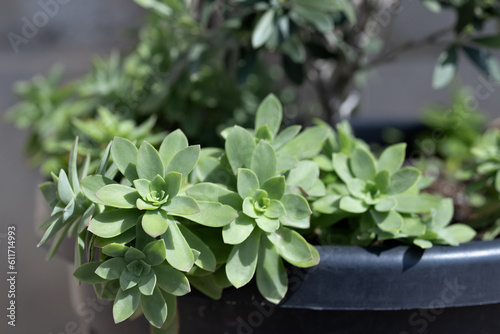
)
(136, 277)
(152, 223)
(261, 234)
(381, 199)
(71, 210)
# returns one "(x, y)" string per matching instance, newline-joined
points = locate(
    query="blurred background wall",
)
(82, 29)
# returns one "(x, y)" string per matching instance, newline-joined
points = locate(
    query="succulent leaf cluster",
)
(150, 223)
(382, 199)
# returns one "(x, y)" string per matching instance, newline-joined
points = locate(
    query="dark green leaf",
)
(446, 68)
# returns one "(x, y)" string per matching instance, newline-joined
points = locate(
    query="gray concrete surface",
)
(86, 28)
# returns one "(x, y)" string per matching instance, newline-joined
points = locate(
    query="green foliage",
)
(152, 223)
(453, 130)
(483, 190)
(471, 19)
(379, 199)
(205, 64)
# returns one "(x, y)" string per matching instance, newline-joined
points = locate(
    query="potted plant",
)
(150, 223)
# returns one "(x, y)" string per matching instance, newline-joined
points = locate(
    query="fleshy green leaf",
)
(212, 214)
(91, 184)
(104, 160)
(385, 204)
(115, 250)
(113, 223)
(392, 158)
(64, 188)
(416, 203)
(171, 280)
(341, 167)
(134, 254)
(147, 283)
(249, 209)
(248, 183)
(382, 181)
(184, 161)
(154, 308)
(179, 253)
(291, 245)
(171, 145)
(422, 243)
(155, 223)
(55, 223)
(143, 205)
(149, 163)
(264, 133)
(270, 113)
(268, 224)
(456, 234)
(275, 187)
(128, 280)
(304, 175)
(124, 155)
(357, 188)
(181, 205)
(387, 221)
(214, 193)
(125, 304)
(86, 273)
(173, 183)
(413, 227)
(264, 161)
(155, 252)
(353, 205)
(242, 261)
(49, 191)
(73, 168)
(238, 230)
(276, 209)
(207, 286)
(362, 164)
(111, 269)
(296, 206)
(286, 135)
(206, 260)
(403, 180)
(272, 280)
(239, 148)
(142, 186)
(118, 196)
(443, 215)
(306, 145)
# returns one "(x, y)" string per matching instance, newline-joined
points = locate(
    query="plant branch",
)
(408, 46)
